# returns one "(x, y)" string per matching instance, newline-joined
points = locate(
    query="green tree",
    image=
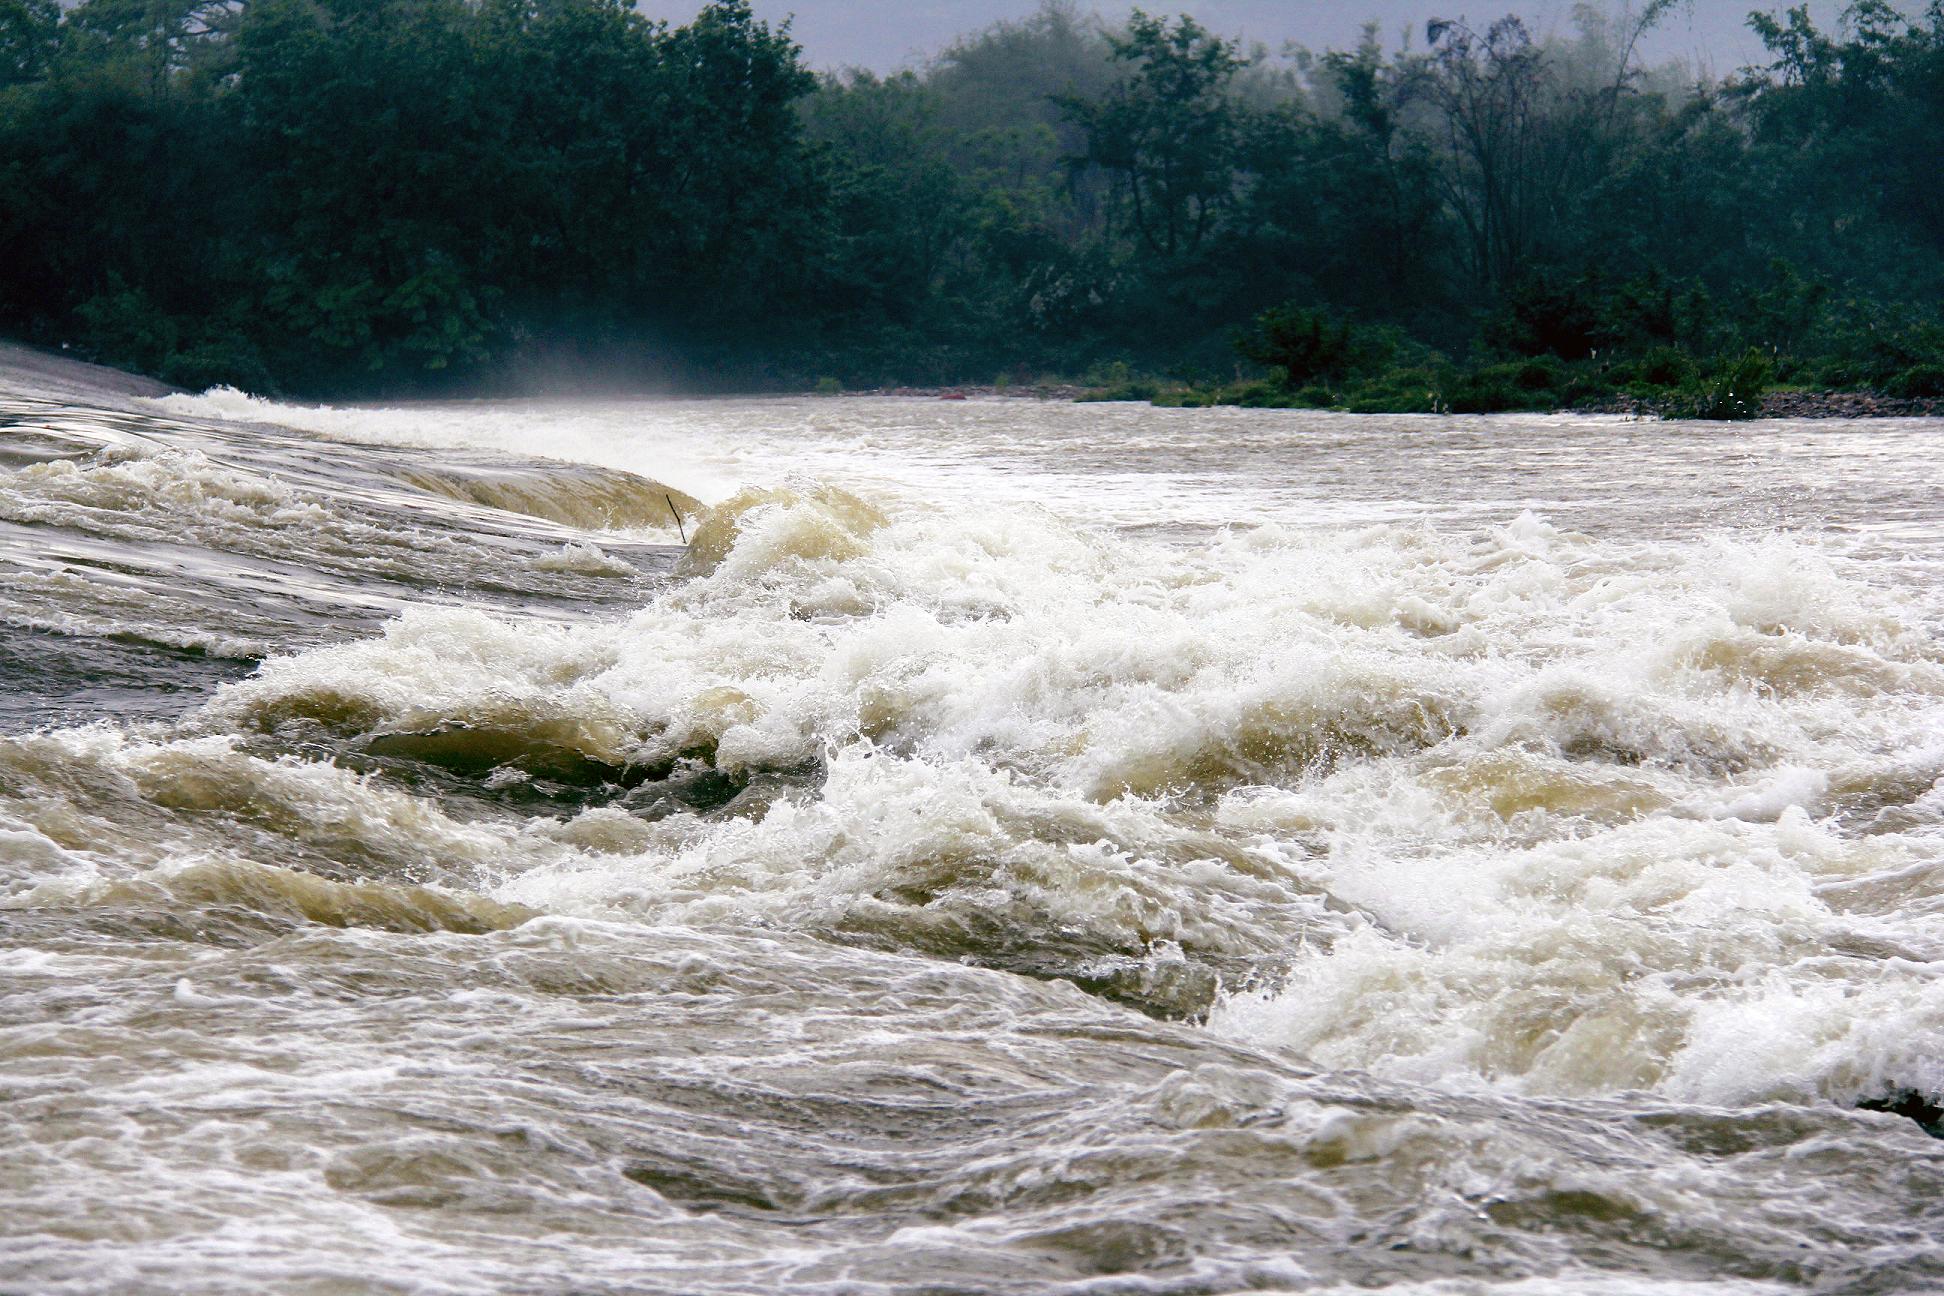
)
(1168, 131)
(736, 173)
(900, 203)
(1342, 200)
(364, 120)
(29, 35)
(1853, 125)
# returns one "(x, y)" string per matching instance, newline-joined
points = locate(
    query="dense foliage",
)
(345, 195)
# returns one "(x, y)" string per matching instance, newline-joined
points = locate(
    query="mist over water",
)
(1011, 847)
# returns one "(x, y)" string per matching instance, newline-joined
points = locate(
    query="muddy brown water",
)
(1017, 848)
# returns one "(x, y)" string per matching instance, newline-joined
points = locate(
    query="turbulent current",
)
(900, 846)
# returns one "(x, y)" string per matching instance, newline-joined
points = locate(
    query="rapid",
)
(885, 845)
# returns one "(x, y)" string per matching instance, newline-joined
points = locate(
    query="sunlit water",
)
(1011, 847)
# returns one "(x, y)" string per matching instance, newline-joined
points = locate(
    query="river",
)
(876, 845)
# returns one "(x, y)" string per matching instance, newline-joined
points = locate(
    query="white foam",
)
(583, 558)
(1569, 788)
(1491, 798)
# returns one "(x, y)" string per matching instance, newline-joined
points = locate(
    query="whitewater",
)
(887, 845)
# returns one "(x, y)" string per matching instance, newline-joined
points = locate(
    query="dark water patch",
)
(1910, 1105)
(505, 794)
(531, 773)
(59, 679)
(23, 447)
(1724, 1134)
(691, 784)
(703, 1187)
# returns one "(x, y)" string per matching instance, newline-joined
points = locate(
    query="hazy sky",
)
(836, 33)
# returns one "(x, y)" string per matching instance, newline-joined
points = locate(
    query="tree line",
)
(362, 196)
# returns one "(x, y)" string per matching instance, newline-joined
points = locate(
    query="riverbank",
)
(1799, 405)
(51, 369)
(1736, 392)
(1054, 391)
(1774, 405)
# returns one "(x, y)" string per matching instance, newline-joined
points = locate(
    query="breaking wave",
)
(1519, 805)
(1512, 900)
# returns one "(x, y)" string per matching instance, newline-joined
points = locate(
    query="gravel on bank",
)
(1776, 405)
(1021, 391)
(51, 374)
(1800, 405)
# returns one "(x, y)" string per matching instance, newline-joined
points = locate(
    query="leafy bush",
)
(1864, 345)
(1516, 385)
(1111, 373)
(1733, 392)
(124, 327)
(1920, 381)
(1541, 374)
(1128, 389)
(218, 362)
(1307, 345)
(1415, 390)
(1544, 316)
(1665, 366)
(1261, 395)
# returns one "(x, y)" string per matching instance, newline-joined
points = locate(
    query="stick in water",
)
(679, 528)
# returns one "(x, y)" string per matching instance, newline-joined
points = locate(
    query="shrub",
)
(1540, 374)
(1548, 315)
(1518, 385)
(1868, 346)
(1261, 395)
(1665, 366)
(218, 362)
(125, 328)
(1309, 346)
(1128, 389)
(1732, 392)
(1417, 390)
(1918, 382)
(1113, 373)
(1303, 343)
